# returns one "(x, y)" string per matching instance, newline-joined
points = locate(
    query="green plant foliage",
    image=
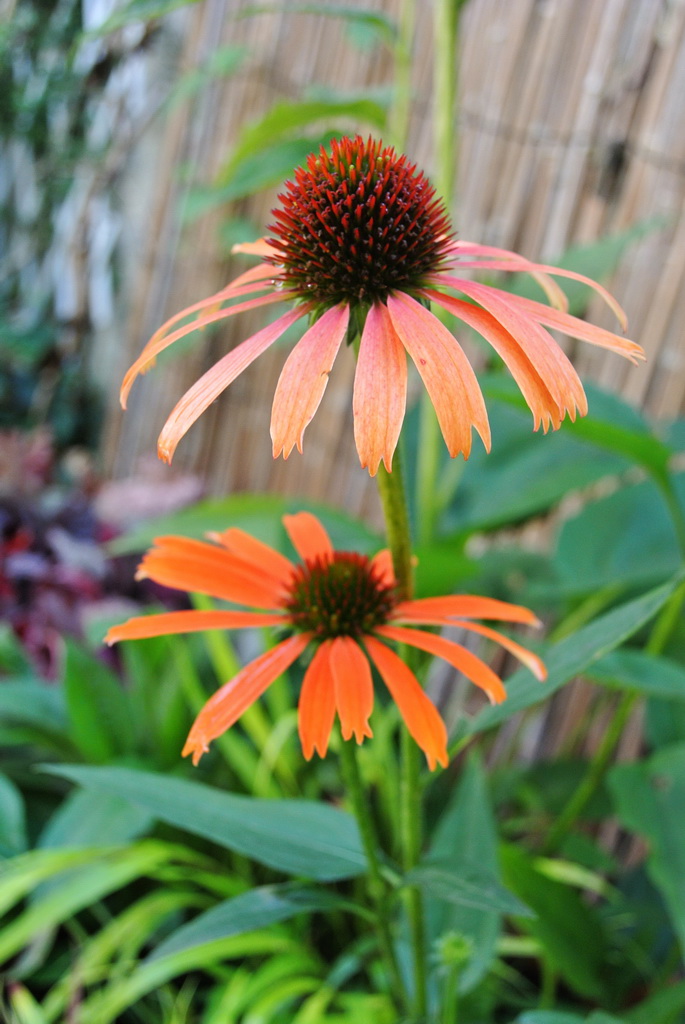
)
(297, 837)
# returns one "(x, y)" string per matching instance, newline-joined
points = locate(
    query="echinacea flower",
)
(361, 246)
(341, 605)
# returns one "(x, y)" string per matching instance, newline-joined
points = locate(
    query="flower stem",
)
(394, 502)
(377, 886)
(393, 498)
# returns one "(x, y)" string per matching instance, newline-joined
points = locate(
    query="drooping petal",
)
(308, 537)
(556, 296)
(553, 365)
(353, 687)
(225, 707)
(144, 626)
(161, 341)
(460, 657)
(304, 378)
(581, 329)
(210, 385)
(542, 395)
(445, 371)
(441, 611)
(381, 563)
(380, 390)
(544, 268)
(316, 709)
(267, 559)
(204, 568)
(528, 658)
(260, 247)
(420, 715)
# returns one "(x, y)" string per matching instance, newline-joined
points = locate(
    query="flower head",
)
(343, 607)
(361, 245)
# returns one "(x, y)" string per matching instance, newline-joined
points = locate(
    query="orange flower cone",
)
(342, 605)
(361, 246)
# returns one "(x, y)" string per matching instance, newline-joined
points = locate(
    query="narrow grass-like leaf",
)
(574, 655)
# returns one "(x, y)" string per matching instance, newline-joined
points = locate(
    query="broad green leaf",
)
(87, 818)
(259, 514)
(525, 473)
(548, 1017)
(13, 658)
(256, 908)
(32, 703)
(569, 930)
(635, 670)
(298, 837)
(592, 553)
(475, 889)
(574, 655)
(287, 116)
(383, 25)
(13, 838)
(650, 796)
(22, 874)
(24, 1007)
(464, 844)
(98, 707)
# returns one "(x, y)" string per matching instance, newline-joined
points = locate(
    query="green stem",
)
(604, 754)
(377, 886)
(665, 485)
(394, 502)
(398, 118)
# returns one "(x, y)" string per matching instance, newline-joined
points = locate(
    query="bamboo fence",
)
(571, 126)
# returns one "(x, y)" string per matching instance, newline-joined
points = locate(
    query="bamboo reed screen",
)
(571, 126)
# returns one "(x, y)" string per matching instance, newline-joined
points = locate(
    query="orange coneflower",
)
(341, 604)
(362, 246)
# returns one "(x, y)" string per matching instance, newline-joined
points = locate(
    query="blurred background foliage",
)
(134, 888)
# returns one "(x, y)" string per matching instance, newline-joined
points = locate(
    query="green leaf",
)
(569, 930)
(548, 1017)
(464, 844)
(98, 707)
(635, 670)
(13, 837)
(297, 837)
(258, 514)
(592, 554)
(665, 1007)
(574, 655)
(87, 818)
(475, 889)
(257, 908)
(285, 117)
(383, 25)
(525, 473)
(650, 796)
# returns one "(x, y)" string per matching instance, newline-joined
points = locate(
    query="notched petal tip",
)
(195, 746)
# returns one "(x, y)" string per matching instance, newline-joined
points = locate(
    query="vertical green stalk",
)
(398, 118)
(445, 27)
(377, 887)
(393, 498)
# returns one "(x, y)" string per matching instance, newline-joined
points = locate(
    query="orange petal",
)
(420, 715)
(161, 341)
(193, 565)
(380, 390)
(353, 687)
(381, 564)
(559, 272)
(260, 247)
(308, 537)
(316, 709)
(204, 391)
(461, 658)
(443, 610)
(227, 705)
(144, 626)
(528, 658)
(577, 328)
(445, 371)
(263, 556)
(538, 344)
(304, 378)
(542, 395)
